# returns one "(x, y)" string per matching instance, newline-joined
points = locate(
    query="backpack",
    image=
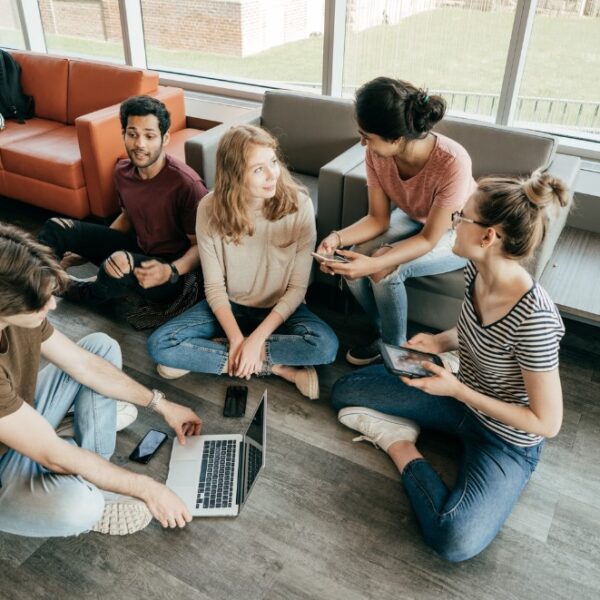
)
(14, 104)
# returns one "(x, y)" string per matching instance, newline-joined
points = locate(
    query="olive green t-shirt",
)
(20, 350)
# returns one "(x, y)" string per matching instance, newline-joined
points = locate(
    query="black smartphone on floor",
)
(148, 446)
(235, 401)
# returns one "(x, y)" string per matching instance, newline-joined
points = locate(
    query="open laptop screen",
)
(252, 451)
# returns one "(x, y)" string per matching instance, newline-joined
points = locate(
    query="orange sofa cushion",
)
(15, 131)
(45, 78)
(52, 157)
(93, 86)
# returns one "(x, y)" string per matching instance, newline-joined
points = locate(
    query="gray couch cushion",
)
(311, 130)
(497, 150)
(312, 184)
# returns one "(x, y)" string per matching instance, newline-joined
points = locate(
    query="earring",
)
(481, 244)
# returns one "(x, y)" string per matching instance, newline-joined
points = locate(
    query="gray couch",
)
(435, 300)
(318, 139)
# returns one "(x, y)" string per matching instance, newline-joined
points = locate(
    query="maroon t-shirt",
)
(162, 210)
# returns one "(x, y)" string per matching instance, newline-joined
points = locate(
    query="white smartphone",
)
(330, 258)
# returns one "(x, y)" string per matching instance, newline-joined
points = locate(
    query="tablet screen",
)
(407, 361)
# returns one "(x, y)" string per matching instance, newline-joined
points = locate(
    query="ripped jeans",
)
(385, 301)
(97, 243)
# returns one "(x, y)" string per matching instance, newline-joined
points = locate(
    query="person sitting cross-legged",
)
(256, 231)
(152, 243)
(50, 486)
(506, 397)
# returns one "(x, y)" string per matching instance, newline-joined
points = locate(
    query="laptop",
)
(214, 474)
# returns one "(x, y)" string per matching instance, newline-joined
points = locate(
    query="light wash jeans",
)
(385, 302)
(457, 523)
(35, 502)
(185, 342)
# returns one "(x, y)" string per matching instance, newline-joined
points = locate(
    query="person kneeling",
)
(255, 233)
(506, 397)
(50, 486)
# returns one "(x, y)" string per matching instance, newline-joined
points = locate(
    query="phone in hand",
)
(407, 362)
(329, 258)
(235, 401)
(148, 446)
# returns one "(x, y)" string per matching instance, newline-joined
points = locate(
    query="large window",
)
(560, 89)
(275, 43)
(86, 28)
(454, 48)
(10, 25)
(469, 51)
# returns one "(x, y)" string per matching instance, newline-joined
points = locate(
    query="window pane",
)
(11, 35)
(270, 42)
(560, 89)
(456, 48)
(85, 28)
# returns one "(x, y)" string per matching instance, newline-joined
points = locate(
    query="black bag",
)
(14, 104)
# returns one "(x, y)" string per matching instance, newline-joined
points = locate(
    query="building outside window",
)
(11, 35)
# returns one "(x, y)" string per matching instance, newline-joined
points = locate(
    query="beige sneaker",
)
(307, 382)
(122, 515)
(170, 372)
(378, 428)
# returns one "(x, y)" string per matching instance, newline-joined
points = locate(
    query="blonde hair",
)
(520, 208)
(229, 216)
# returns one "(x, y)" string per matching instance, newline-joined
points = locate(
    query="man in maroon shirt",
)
(152, 242)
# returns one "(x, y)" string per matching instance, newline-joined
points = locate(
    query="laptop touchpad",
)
(183, 472)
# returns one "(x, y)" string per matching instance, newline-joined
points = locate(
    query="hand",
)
(441, 383)
(359, 265)
(70, 259)
(250, 357)
(329, 244)
(183, 420)
(425, 342)
(152, 273)
(165, 506)
(235, 346)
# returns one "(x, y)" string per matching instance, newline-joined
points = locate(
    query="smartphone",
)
(330, 258)
(148, 446)
(235, 401)
(402, 361)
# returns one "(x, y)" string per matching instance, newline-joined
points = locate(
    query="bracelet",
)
(339, 237)
(157, 396)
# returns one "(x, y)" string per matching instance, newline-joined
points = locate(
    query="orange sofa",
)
(63, 158)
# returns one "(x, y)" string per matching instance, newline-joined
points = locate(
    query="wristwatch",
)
(174, 274)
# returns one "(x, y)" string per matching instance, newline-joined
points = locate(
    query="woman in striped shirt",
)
(506, 397)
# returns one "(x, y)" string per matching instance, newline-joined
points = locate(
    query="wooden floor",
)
(327, 518)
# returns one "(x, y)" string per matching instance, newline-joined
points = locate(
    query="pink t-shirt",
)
(446, 180)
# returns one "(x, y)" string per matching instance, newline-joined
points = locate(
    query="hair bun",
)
(543, 189)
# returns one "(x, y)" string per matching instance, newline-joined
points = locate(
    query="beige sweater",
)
(269, 269)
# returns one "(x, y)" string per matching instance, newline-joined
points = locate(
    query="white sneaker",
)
(170, 372)
(126, 415)
(122, 515)
(378, 428)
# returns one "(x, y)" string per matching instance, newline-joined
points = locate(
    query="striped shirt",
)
(492, 356)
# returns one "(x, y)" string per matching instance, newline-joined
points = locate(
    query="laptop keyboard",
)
(254, 463)
(215, 489)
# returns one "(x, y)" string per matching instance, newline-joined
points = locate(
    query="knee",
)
(455, 544)
(118, 264)
(79, 509)
(156, 345)
(53, 228)
(328, 345)
(341, 392)
(104, 346)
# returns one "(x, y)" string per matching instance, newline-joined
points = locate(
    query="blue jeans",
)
(385, 302)
(185, 342)
(457, 523)
(35, 502)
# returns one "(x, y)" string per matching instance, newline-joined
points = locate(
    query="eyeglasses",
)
(459, 217)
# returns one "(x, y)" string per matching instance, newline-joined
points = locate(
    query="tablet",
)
(407, 362)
